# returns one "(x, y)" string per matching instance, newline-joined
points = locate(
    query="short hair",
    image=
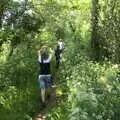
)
(44, 52)
(44, 55)
(60, 39)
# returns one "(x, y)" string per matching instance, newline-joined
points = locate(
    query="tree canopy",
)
(89, 74)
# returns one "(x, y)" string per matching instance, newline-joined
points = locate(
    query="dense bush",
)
(19, 93)
(87, 90)
(93, 91)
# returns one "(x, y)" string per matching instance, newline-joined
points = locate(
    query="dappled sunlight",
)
(103, 80)
(87, 82)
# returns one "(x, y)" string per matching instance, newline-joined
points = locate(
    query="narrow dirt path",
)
(50, 103)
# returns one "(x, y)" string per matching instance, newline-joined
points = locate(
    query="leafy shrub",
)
(92, 90)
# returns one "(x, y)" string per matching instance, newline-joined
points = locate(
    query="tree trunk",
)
(94, 32)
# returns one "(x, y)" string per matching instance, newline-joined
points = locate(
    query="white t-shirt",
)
(61, 44)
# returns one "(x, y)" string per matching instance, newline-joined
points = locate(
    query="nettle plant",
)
(92, 87)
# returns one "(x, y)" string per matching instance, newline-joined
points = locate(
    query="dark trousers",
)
(57, 62)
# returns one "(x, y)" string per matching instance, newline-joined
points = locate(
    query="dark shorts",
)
(45, 81)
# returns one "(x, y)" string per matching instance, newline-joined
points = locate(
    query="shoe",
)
(43, 105)
(48, 96)
(53, 86)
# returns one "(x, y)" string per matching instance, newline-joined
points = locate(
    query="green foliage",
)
(46, 37)
(17, 104)
(18, 98)
(92, 90)
(109, 28)
(88, 90)
(59, 113)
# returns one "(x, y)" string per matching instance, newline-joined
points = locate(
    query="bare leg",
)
(43, 95)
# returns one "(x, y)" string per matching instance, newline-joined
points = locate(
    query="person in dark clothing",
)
(57, 55)
(45, 73)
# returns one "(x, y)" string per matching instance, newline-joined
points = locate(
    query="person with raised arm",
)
(45, 77)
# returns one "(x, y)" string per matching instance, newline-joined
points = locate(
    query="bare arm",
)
(38, 52)
(51, 52)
